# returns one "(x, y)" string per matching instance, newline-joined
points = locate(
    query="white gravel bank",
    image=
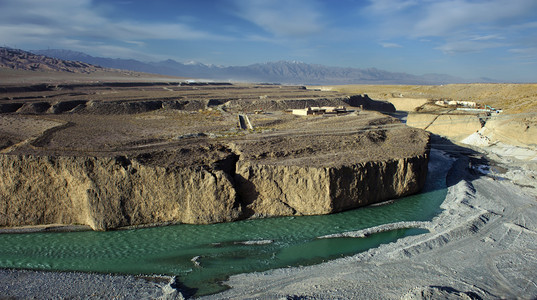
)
(483, 245)
(24, 284)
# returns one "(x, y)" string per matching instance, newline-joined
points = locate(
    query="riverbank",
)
(437, 169)
(483, 245)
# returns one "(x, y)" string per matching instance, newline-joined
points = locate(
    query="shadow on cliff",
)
(467, 161)
(246, 194)
(468, 165)
(400, 115)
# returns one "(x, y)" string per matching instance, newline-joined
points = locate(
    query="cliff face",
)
(455, 127)
(107, 193)
(519, 130)
(276, 190)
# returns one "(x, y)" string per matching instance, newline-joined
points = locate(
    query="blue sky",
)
(466, 38)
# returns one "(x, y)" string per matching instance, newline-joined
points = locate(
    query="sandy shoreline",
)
(483, 245)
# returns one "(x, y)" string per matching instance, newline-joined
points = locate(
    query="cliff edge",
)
(173, 166)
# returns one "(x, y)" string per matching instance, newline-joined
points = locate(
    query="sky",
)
(466, 38)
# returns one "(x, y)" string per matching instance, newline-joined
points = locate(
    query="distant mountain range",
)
(284, 72)
(17, 59)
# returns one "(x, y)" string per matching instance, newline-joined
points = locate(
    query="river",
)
(204, 255)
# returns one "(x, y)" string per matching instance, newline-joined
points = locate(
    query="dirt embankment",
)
(512, 98)
(516, 125)
(194, 166)
(454, 126)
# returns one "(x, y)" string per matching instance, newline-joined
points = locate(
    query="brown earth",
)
(512, 98)
(117, 154)
(516, 125)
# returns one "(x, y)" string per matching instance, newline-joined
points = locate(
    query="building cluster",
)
(319, 110)
(468, 106)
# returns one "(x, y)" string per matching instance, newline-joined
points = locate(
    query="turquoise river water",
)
(204, 255)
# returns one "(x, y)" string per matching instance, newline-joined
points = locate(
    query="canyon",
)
(108, 149)
(119, 154)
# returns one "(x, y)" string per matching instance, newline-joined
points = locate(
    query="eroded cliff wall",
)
(107, 193)
(453, 126)
(190, 167)
(282, 190)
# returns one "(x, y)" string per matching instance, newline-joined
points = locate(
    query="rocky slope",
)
(519, 130)
(22, 60)
(516, 125)
(456, 127)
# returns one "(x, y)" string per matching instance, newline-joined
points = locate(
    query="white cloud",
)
(467, 46)
(136, 43)
(156, 31)
(524, 26)
(282, 17)
(57, 14)
(390, 6)
(487, 37)
(532, 51)
(119, 52)
(444, 17)
(525, 53)
(391, 45)
(458, 26)
(34, 21)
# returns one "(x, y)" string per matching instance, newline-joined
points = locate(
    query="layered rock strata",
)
(141, 106)
(104, 193)
(454, 126)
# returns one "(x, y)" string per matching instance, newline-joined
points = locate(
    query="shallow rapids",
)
(203, 255)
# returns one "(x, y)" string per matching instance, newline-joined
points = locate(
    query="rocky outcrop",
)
(279, 190)
(107, 193)
(100, 107)
(141, 106)
(369, 104)
(22, 60)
